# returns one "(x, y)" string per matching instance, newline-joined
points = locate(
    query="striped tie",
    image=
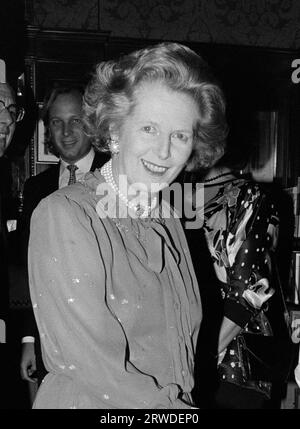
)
(72, 168)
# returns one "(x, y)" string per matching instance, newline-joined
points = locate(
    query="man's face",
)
(7, 116)
(66, 127)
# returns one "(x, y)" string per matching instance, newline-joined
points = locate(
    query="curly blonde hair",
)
(110, 96)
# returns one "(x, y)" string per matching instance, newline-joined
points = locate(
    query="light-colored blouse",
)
(116, 302)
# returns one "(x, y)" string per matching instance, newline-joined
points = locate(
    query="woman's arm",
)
(228, 331)
(250, 274)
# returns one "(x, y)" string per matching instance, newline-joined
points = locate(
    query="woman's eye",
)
(181, 137)
(149, 129)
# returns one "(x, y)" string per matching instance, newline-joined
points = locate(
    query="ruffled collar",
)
(152, 232)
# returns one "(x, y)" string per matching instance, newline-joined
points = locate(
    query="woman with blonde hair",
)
(113, 288)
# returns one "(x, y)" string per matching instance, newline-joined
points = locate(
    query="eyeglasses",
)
(16, 113)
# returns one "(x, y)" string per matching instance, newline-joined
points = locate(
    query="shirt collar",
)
(84, 164)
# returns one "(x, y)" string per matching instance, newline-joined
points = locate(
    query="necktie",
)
(72, 168)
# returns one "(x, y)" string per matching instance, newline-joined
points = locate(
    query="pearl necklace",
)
(140, 211)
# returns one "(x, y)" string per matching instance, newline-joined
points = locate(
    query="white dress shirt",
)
(84, 166)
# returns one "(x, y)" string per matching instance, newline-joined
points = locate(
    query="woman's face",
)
(156, 139)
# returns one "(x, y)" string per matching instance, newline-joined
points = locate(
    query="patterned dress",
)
(241, 229)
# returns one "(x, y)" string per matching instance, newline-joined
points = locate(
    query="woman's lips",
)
(154, 169)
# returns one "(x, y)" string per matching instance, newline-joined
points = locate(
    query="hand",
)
(221, 356)
(28, 362)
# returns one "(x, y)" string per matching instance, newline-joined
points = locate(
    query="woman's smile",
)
(154, 169)
(156, 139)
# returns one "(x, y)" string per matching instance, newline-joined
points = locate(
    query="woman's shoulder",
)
(69, 198)
(75, 192)
(252, 188)
(87, 188)
(260, 194)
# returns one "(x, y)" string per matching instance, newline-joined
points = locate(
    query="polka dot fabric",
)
(241, 227)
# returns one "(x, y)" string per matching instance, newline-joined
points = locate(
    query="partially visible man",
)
(9, 115)
(65, 137)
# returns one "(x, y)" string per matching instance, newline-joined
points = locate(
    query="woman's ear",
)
(113, 132)
(113, 141)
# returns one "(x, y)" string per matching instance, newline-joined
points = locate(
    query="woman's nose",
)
(163, 147)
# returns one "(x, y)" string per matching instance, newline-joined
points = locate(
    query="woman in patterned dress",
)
(241, 230)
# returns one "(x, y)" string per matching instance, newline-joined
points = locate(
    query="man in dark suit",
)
(7, 128)
(66, 138)
(9, 115)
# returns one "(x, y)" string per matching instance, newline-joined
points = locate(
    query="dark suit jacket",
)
(5, 190)
(35, 189)
(5, 361)
(3, 265)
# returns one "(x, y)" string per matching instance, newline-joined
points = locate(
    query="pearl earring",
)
(114, 146)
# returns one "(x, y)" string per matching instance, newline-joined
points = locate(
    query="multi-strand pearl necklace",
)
(140, 210)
